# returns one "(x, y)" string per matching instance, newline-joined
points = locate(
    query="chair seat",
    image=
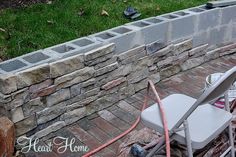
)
(205, 123)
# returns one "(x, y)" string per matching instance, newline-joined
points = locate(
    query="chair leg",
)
(153, 151)
(188, 139)
(231, 138)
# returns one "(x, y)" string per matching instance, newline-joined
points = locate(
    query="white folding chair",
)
(192, 124)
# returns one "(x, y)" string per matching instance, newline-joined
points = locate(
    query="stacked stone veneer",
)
(46, 90)
(45, 98)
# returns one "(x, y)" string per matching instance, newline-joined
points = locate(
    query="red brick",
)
(85, 124)
(138, 97)
(83, 136)
(106, 153)
(130, 100)
(108, 116)
(64, 132)
(128, 108)
(98, 133)
(228, 47)
(161, 92)
(227, 62)
(138, 105)
(110, 130)
(103, 137)
(123, 115)
(87, 139)
(218, 67)
(183, 89)
(232, 61)
(68, 152)
(106, 126)
(201, 72)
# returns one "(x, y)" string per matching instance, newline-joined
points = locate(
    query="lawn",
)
(42, 25)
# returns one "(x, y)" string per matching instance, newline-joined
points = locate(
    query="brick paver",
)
(111, 118)
(124, 115)
(106, 126)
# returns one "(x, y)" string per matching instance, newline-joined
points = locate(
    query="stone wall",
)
(46, 90)
(48, 97)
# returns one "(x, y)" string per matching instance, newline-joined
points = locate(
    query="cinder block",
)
(64, 48)
(37, 57)
(183, 26)
(73, 47)
(170, 16)
(13, 65)
(121, 30)
(141, 24)
(214, 36)
(26, 61)
(153, 20)
(156, 29)
(50, 54)
(58, 51)
(200, 38)
(208, 19)
(106, 35)
(134, 34)
(84, 44)
(196, 10)
(234, 31)
(228, 14)
(217, 35)
(122, 37)
(228, 33)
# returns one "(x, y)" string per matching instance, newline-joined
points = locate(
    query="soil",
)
(19, 3)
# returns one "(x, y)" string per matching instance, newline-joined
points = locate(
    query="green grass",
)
(43, 25)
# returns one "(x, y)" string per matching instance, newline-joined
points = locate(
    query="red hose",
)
(163, 116)
(136, 123)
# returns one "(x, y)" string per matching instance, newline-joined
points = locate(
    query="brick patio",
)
(106, 124)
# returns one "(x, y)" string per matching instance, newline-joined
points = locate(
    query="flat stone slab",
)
(223, 3)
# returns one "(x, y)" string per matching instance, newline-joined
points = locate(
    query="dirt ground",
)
(19, 3)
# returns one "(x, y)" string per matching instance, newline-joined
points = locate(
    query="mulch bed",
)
(19, 3)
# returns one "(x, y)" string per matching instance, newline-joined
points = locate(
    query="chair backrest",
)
(219, 87)
(216, 90)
